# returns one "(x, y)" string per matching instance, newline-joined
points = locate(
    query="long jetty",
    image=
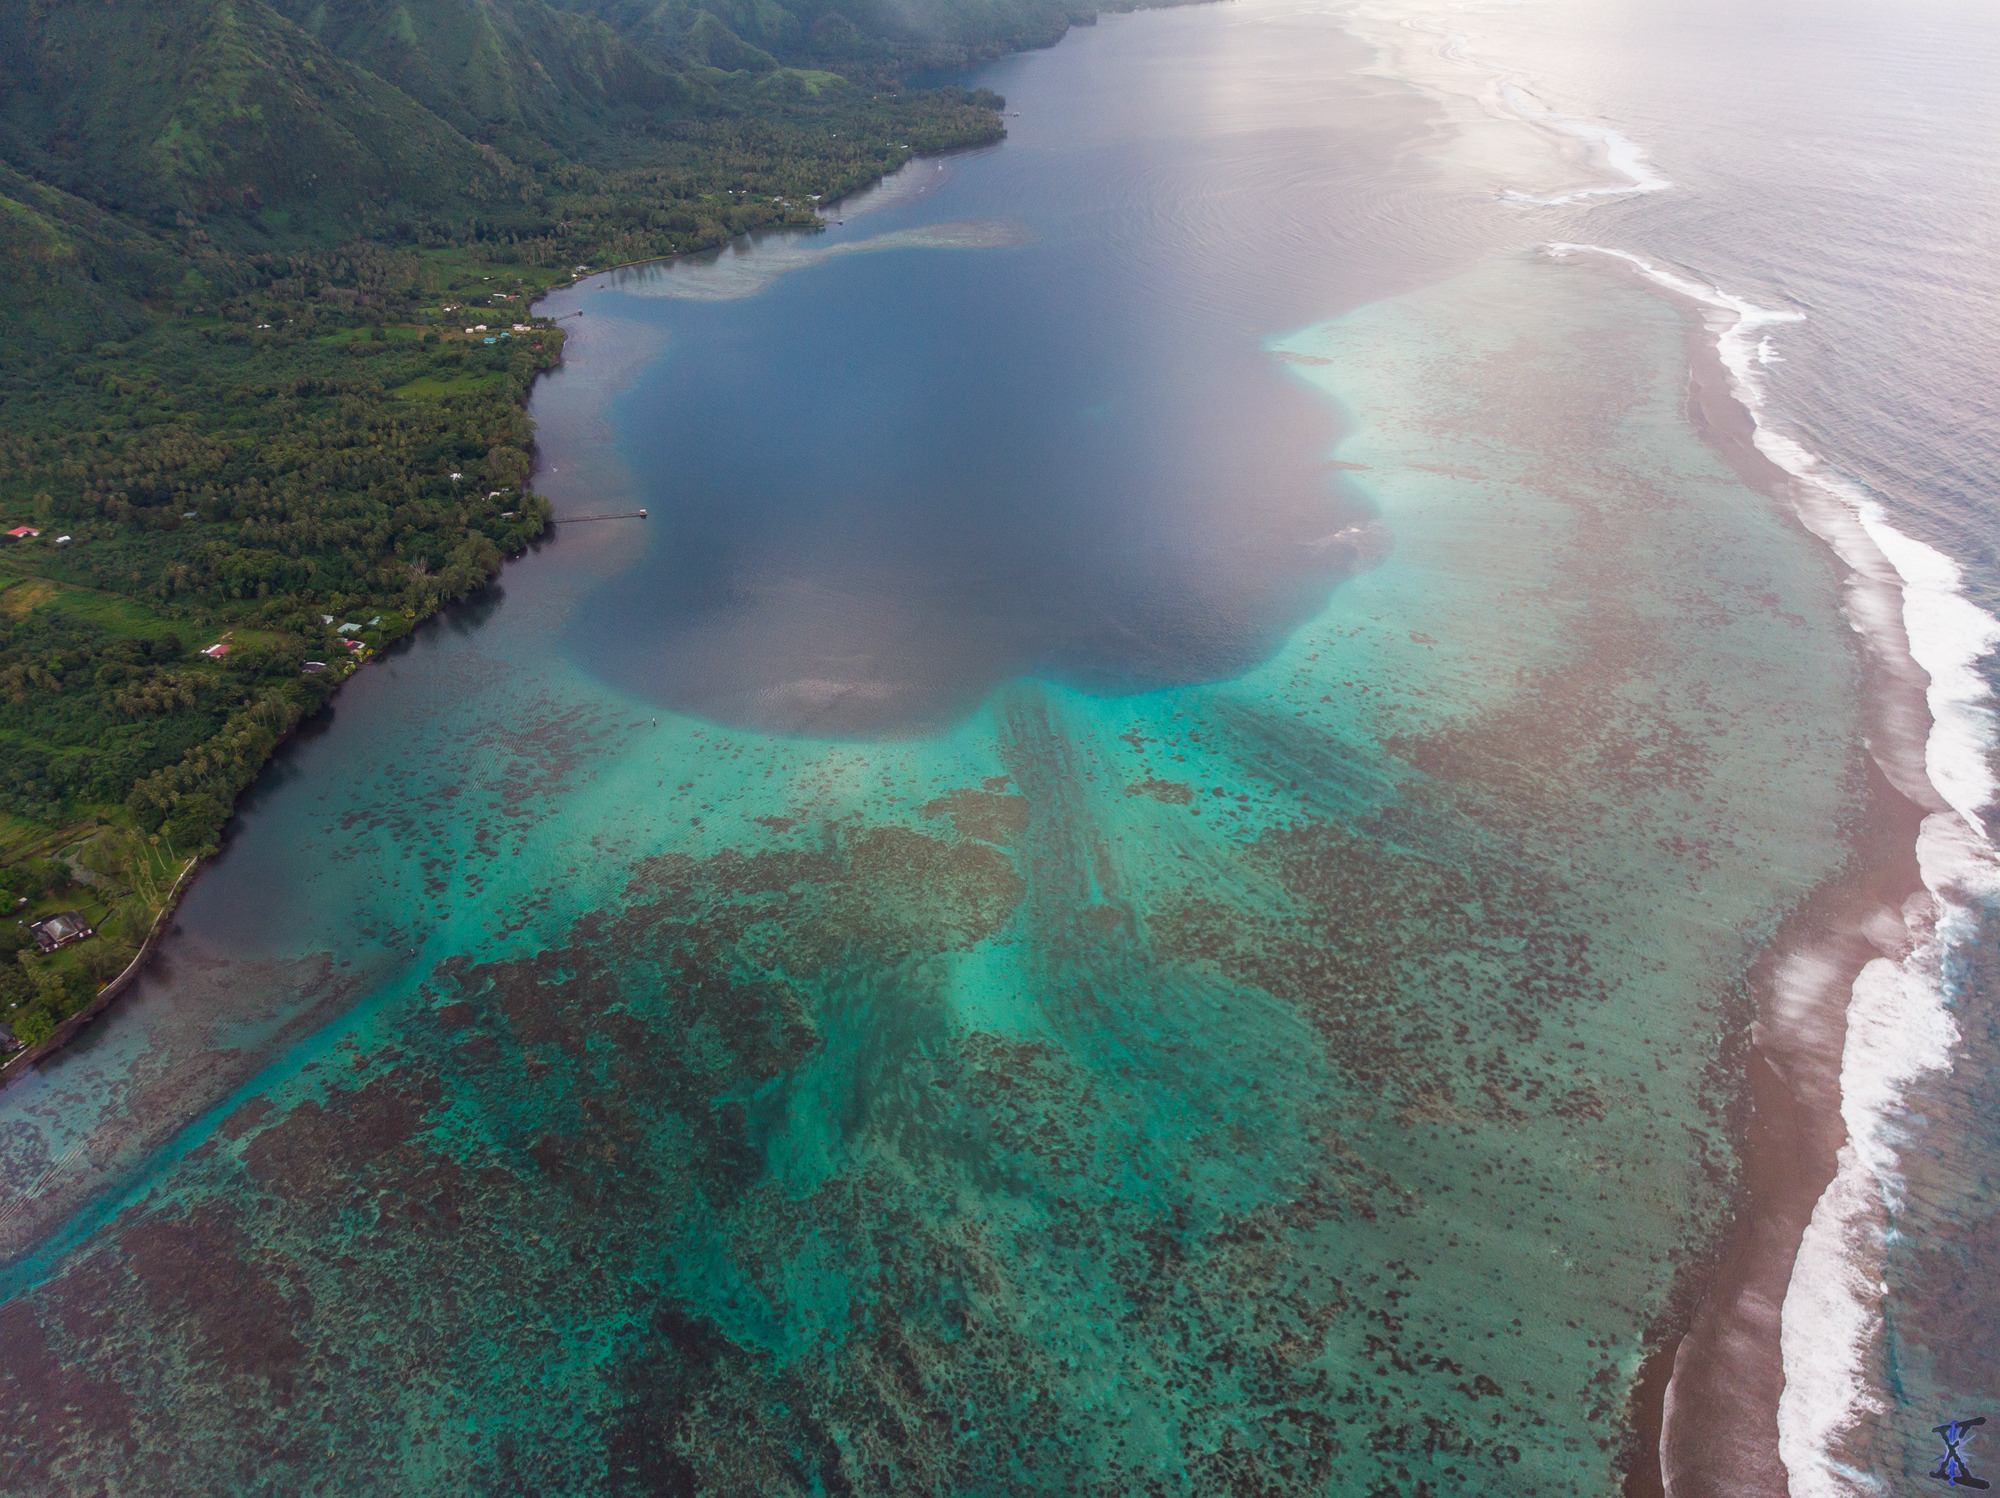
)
(573, 519)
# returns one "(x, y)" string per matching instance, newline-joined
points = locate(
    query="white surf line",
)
(1496, 92)
(1899, 1024)
(1899, 1028)
(1622, 154)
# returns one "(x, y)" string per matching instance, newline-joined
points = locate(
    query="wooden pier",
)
(574, 519)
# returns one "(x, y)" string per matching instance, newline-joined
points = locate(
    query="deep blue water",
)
(1069, 458)
(942, 499)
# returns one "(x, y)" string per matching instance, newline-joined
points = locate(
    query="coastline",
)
(1708, 1398)
(107, 995)
(71, 1025)
(53, 1044)
(1764, 1376)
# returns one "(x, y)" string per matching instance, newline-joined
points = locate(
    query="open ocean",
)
(1288, 796)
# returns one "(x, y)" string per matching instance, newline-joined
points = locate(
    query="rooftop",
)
(59, 930)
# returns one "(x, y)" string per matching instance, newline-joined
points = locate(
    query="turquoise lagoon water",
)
(1146, 892)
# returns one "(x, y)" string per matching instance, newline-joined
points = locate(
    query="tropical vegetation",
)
(265, 353)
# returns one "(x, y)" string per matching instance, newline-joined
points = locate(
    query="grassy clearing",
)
(124, 618)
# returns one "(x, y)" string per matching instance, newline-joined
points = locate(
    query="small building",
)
(312, 668)
(60, 930)
(24, 533)
(217, 651)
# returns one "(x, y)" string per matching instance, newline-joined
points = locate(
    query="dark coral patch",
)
(982, 814)
(1381, 947)
(245, 1117)
(1173, 792)
(54, 1406)
(200, 1275)
(313, 1148)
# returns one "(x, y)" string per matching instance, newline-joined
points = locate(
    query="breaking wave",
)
(1423, 52)
(1907, 601)
(1622, 155)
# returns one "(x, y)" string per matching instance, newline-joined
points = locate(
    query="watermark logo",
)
(1951, 1466)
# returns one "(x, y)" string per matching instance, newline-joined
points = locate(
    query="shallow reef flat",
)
(1320, 1081)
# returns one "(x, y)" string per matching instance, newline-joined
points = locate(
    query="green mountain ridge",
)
(519, 74)
(189, 108)
(885, 35)
(320, 118)
(69, 270)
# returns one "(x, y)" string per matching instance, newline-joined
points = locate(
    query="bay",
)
(1143, 877)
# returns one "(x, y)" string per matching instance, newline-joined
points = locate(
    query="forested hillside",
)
(249, 439)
